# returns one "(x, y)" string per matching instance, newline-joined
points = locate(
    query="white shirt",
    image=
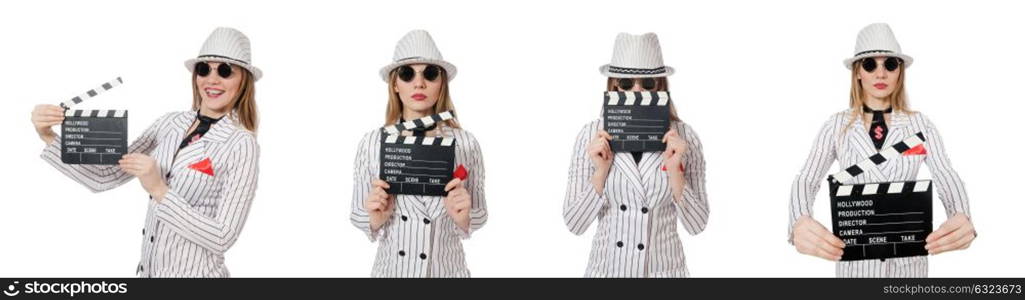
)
(420, 239)
(636, 214)
(849, 145)
(187, 233)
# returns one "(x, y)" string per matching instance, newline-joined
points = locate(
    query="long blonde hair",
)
(898, 99)
(661, 84)
(393, 113)
(243, 107)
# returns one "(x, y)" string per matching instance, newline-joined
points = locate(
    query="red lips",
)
(419, 97)
(880, 86)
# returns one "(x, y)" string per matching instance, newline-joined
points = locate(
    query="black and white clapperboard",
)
(417, 165)
(97, 137)
(881, 220)
(637, 121)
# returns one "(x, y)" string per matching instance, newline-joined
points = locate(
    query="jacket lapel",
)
(623, 162)
(651, 176)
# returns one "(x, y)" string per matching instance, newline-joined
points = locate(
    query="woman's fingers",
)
(456, 182)
(828, 237)
(960, 243)
(380, 183)
(950, 241)
(670, 133)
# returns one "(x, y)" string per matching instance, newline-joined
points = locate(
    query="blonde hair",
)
(393, 113)
(661, 84)
(898, 99)
(243, 107)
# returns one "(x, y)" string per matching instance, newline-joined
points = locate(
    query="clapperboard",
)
(637, 121)
(881, 220)
(417, 165)
(97, 137)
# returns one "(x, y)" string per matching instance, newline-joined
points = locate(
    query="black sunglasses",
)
(203, 69)
(431, 72)
(628, 83)
(891, 64)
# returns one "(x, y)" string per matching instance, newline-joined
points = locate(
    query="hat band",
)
(224, 57)
(410, 58)
(872, 51)
(635, 71)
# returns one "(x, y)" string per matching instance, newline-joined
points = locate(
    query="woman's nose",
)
(419, 81)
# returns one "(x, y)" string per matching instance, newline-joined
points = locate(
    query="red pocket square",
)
(917, 150)
(460, 173)
(204, 166)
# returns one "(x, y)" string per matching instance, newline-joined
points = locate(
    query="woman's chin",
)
(215, 104)
(420, 105)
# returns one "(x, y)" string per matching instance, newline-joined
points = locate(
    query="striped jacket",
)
(420, 239)
(850, 145)
(187, 233)
(637, 234)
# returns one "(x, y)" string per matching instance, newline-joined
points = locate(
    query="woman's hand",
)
(145, 168)
(672, 159)
(44, 117)
(811, 238)
(601, 155)
(457, 203)
(955, 234)
(379, 204)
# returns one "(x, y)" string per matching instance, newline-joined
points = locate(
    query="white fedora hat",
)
(877, 40)
(226, 45)
(635, 56)
(417, 47)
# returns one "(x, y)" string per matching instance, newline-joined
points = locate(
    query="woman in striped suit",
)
(878, 117)
(199, 167)
(637, 197)
(419, 236)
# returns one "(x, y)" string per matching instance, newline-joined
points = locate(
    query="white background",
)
(755, 79)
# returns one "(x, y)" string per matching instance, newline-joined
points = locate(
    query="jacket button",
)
(423, 256)
(151, 239)
(404, 218)
(644, 210)
(622, 207)
(402, 253)
(619, 244)
(144, 231)
(426, 221)
(640, 246)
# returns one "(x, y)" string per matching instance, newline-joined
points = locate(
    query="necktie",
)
(204, 126)
(878, 130)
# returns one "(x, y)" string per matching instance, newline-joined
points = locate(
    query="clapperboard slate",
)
(881, 220)
(637, 121)
(93, 136)
(417, 165)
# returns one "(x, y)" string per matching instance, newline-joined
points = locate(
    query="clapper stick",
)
(418, 123)
(878, 158)
(92, 93)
